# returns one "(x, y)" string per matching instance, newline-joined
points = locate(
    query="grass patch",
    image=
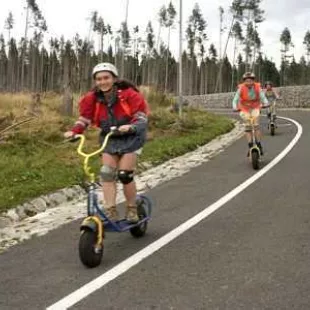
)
(34, 161)
(174, 138)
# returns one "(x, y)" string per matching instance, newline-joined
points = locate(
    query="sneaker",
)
(111, 213)
(132, 214)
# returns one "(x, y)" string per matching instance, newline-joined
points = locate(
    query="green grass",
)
(176, 138)
(34, 161)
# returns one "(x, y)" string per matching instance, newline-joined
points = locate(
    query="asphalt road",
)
(253, 253)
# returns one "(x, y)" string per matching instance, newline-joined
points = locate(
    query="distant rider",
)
(271, 96)
(248, 100)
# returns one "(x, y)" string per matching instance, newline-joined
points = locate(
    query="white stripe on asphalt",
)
(135, 259)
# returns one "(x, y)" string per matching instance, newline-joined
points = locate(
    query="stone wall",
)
(291, 97)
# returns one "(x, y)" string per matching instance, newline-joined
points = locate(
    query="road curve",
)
(250, 254)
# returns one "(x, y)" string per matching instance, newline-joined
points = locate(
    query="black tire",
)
(140, 230)
(147, 204)
(88, 255)
(272, 129)
(255, 159)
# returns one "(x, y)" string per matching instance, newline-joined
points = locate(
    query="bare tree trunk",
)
(206, 78)
(67, 106)
(191, 74)
(33, 69)
(186, 82)
(2, 77)
(144, 72)
(42, 76)
(101, 45)
(10, 74)
(135, 59)
(86, 70)
(136, 71)
(90, 30)
(201, 86)
(149, 69)
(117, 40)
(247, 64)
(52, 74)
(24, 48)
(158, 37)
(123, 72)
(219, 76)
(197, 80)
(115, 53)
(233, 65)
(220, 52)
(167, 61)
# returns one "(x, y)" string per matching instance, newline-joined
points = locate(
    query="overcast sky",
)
(68, 17)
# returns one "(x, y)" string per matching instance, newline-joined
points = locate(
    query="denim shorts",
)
(126, 144)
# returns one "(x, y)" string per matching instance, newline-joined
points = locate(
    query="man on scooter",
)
(248, 100)
(271, 96)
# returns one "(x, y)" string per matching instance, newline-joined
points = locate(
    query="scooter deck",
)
(122, 225)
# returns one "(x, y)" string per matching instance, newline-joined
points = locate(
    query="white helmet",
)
(248, 75)
(105, 66)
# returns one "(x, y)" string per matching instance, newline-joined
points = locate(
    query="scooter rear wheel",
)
(140, 230)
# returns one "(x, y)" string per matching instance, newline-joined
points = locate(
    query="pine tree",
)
(238, 39)
(9, 24)
(306, 42)
(286, 40)
(101, 29)
(196, 37)
(150, 51)
(171, 14)
(3, 65)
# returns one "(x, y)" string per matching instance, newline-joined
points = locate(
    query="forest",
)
(144, 55)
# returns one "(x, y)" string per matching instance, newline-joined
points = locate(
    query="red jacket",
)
(130, 108)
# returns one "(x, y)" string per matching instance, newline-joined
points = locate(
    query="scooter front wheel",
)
(272, 128)
(90, 253)
(255, 157)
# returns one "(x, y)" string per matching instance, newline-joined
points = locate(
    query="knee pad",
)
(108, 173)
(125, 176)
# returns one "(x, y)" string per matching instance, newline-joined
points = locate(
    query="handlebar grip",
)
(115, 131)
(73, 139)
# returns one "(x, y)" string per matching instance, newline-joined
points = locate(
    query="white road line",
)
(135, 259)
